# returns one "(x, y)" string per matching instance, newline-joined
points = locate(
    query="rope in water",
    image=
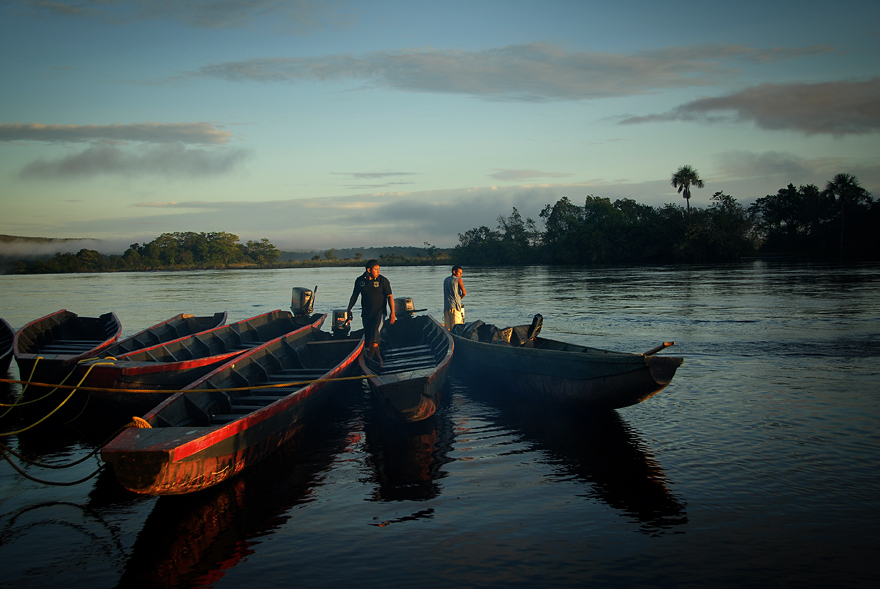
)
(4, 449)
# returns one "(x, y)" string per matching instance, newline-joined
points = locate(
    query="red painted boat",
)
(416, 352)
(48, 349)
(233, 417)
(134, 383)
(7, 337)
(181, 325)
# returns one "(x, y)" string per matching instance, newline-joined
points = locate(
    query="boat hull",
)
(7, 337)
(48, 349)
(198, 439)
(586, 379)
(417, 353)
(136, 382)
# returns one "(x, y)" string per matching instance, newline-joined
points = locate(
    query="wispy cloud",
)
(521, 175)
(835, 108)
(172, 160)
(190, 133)
(294, 15)
(528, 72)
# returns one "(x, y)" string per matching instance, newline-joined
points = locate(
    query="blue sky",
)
(347, 124)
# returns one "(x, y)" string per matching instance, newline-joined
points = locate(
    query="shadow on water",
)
(600, 449)
(192, 540)
(407, 458)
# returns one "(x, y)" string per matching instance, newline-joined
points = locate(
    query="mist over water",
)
(756, 466)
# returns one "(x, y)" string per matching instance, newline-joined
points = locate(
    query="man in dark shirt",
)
(374, 291)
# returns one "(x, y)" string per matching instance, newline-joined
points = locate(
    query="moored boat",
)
(551, 371)
(134, 383)
(233, 417)
(48, 349)
(416, 352)
(181, 325)
(7, 337)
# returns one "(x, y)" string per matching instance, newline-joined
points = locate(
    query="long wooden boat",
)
(156, 370)
(550, 371)
(416, 353)
(233, 417)
(49, 348)
(181, 325)
(7, 337)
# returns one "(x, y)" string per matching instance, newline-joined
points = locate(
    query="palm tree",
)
(683, 179)
(845, 189)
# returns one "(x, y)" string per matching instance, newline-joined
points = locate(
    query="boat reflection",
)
(602, 450)
(407, 458)
(192, 540)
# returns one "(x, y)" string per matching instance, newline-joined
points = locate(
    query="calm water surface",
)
(757, 466)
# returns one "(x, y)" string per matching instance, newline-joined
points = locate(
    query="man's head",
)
(372, 267)
(457, 271)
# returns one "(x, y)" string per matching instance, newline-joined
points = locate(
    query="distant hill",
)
(14, 248)
(366, 253)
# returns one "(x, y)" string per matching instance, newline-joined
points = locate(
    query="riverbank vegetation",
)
(837, 222)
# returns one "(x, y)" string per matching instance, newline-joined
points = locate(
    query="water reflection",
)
(600, 449)
(407, 458)
(192, 540)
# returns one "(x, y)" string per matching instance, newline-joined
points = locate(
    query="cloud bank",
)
(190, 133)
(296, 15)
(533, 72)
(172, 160)
(834, 108)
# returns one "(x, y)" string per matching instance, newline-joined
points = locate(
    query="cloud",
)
(833, 108)
(190, 133)
(172, 159)
(747, 164)
(294, 15)
(521, 175)
(531, 72)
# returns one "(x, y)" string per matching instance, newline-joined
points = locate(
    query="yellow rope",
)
(139, 422)
(116, 390)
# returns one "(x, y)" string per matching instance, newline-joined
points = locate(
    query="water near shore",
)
(757, 466)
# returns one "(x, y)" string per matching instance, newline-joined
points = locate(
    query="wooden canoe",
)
(48, 349)
(416, 352)
(7, 337)
(203, 436)
(173, 365)
(181, 325)
(551, 371)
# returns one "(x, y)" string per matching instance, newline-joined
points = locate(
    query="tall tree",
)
(847, 191)
(683, 179)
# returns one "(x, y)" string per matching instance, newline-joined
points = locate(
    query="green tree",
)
(848, 194)
(683, 179)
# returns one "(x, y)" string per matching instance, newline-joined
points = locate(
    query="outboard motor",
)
(302, 301)
(341, 325)
(403, 307)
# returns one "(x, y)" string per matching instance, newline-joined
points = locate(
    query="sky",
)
(336, 124)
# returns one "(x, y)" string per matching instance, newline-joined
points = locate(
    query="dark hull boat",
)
(48, 349)
(234, 417)
(134, 383)
(179, 326)
(556, 372)
(416, 353)
(7, 337)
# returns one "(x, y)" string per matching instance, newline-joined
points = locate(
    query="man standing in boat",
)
(374, 291)
(453, 292)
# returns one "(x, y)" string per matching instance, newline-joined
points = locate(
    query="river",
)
(757, 466)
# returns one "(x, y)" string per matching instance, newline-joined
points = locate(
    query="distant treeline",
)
(841, 222)
(203, 251)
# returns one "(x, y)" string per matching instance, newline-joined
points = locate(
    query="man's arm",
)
(353, 299)
(461, 286)
(393, 317)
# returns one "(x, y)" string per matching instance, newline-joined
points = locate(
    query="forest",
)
(839, 222)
